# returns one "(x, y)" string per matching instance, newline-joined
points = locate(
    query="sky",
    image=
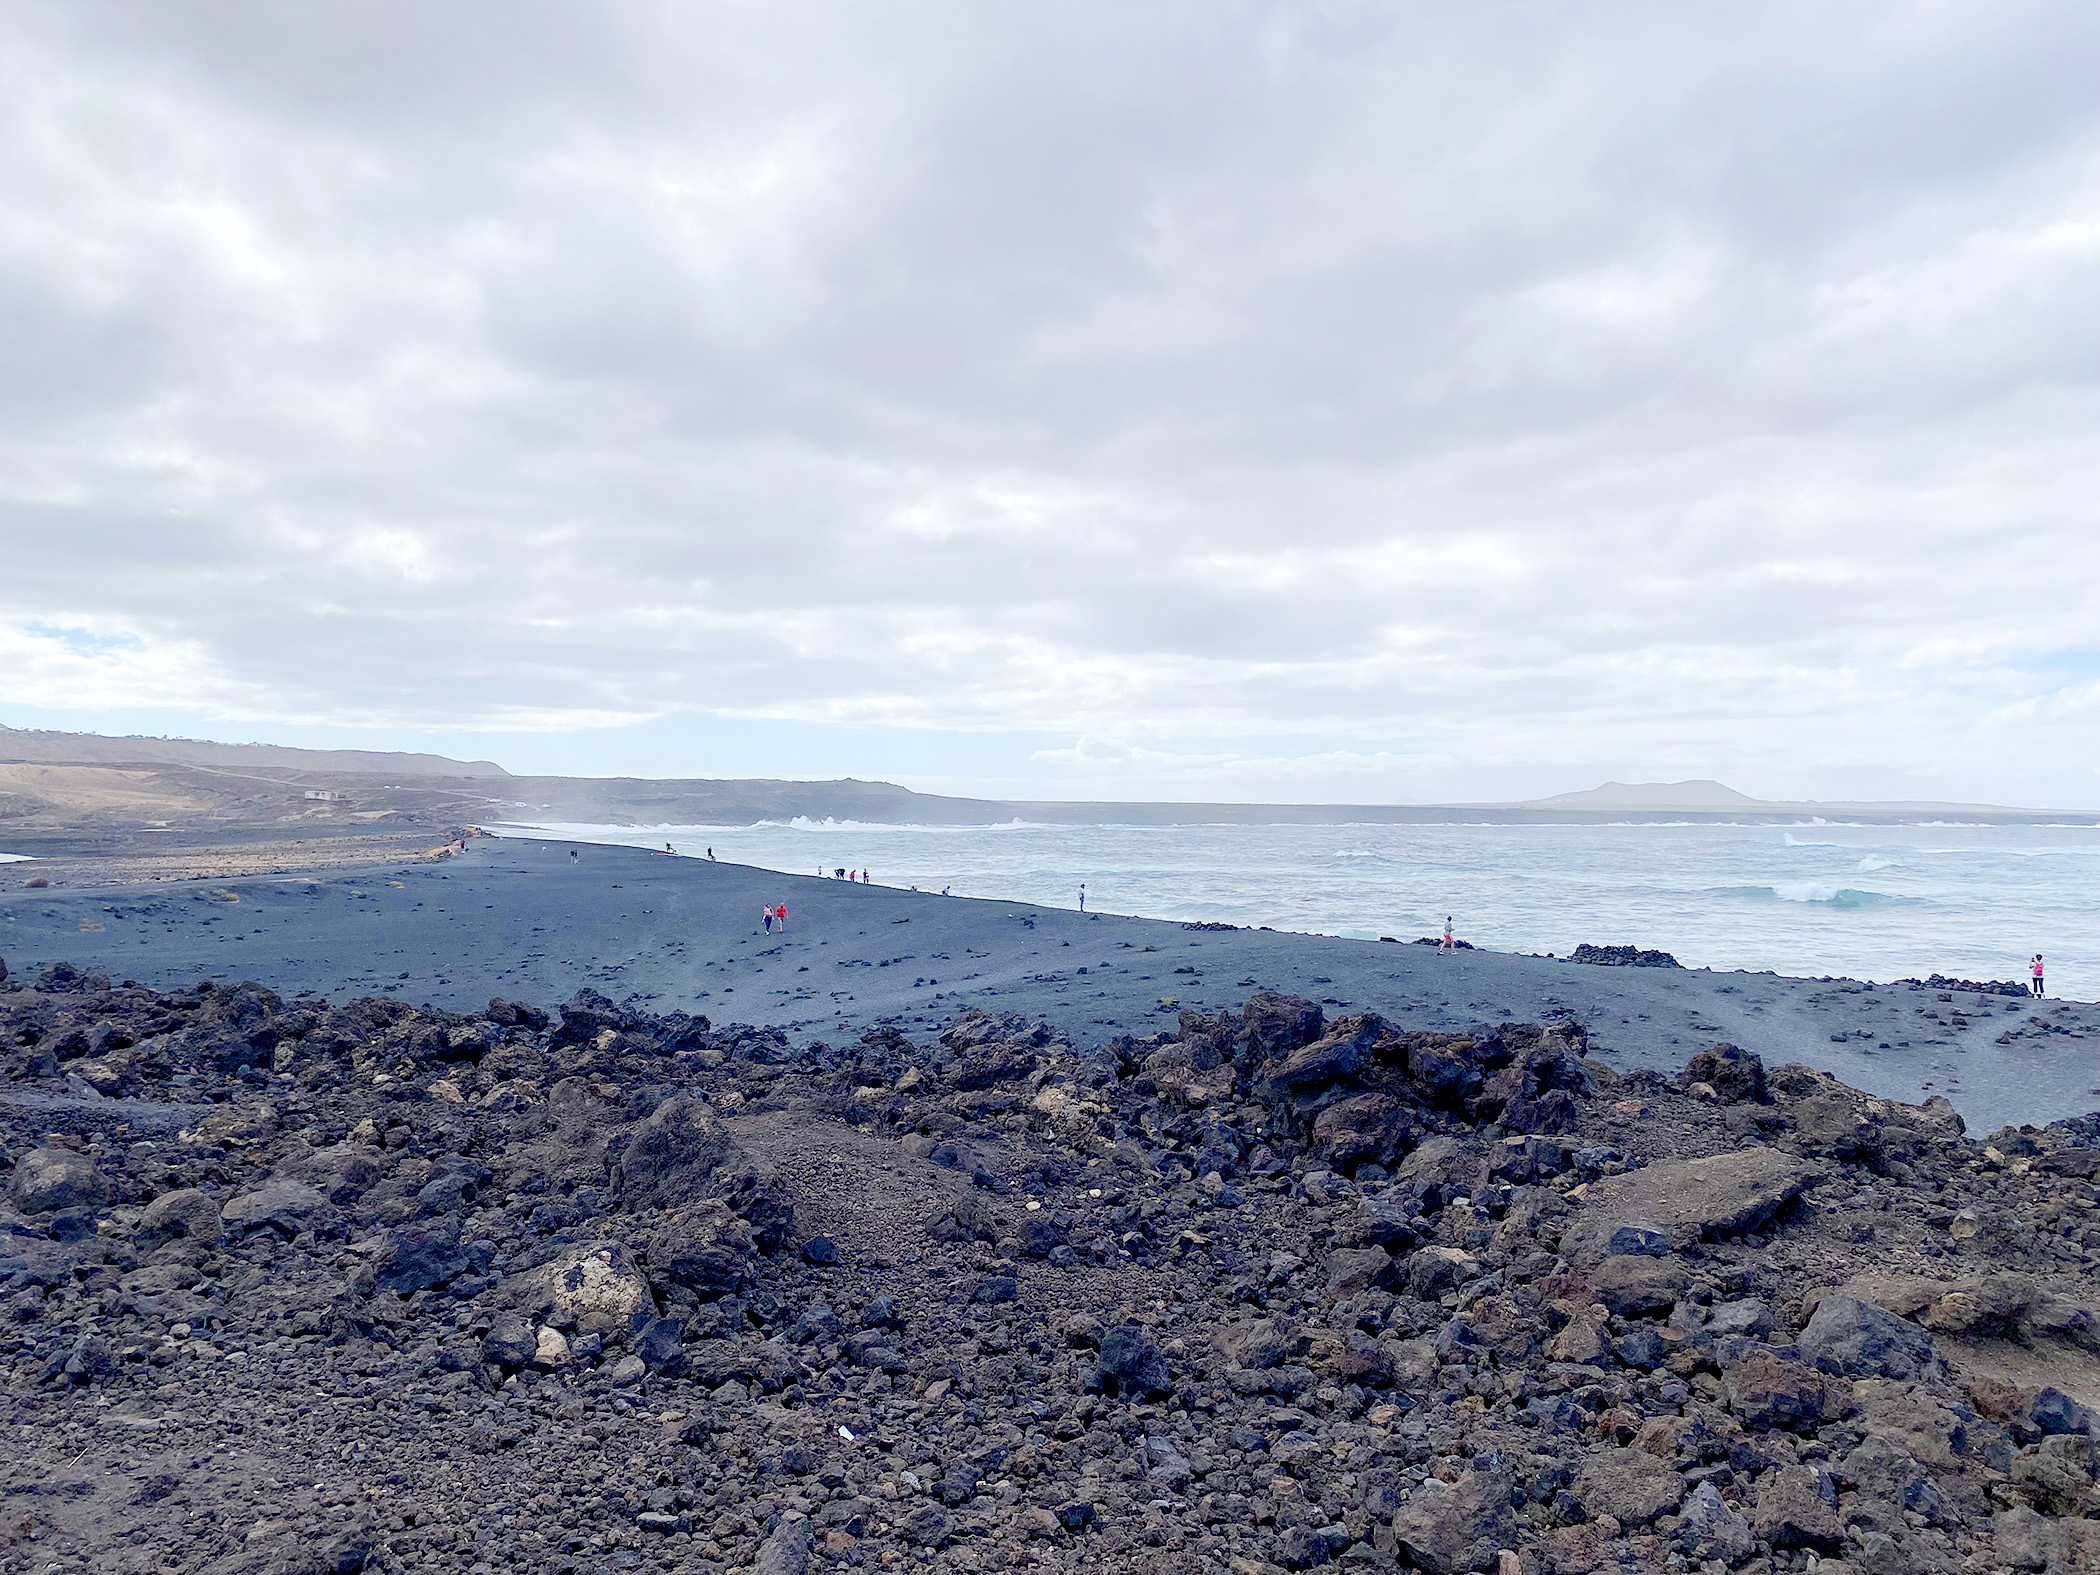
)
(1323, 402)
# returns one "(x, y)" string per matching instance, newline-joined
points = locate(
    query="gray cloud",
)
(1360, 399)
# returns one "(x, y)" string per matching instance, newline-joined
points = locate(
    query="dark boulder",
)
(1769, 1391)
(2054, 1412)
(1446, 1528)
(661, 1344)
(703, 1247)
(1635, 1285)
(987, 1065)
(1733, 1073)
(52, 1178)
(418, 1258)
(1797, 1508)
(1448, 1067)
(754, 1192)
(510, 1343)
(186, 1213)
(585, 1015)
(1537, 1091)
(1043, 1233)
(1622, 957)
(672, 1157)
(1857, 1339)
(1131, 1364)
(1391, 1220)
(1365, 1129)
(1335, 1057)
(1276, 1025)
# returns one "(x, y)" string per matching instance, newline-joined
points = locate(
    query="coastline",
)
(523, 920)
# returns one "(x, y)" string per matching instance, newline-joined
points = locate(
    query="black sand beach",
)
(522, 920)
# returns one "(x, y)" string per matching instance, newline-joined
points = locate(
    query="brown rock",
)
(1731, 1073)
(187, 1213)
(1630, 1485)
(1579, 1342)
(1796, 1509)
(1353, 1270)
(1769, 1391)
(1364, 1129)
(1689, 1198)
(1634, 1285)
(1463, 1526)
(48, 1179)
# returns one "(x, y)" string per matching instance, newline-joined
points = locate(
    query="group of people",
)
(775, 917)
(842, 873)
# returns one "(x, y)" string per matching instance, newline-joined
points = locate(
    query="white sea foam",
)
(17, 858)
(1870, 862)
(1793, 841)
(1806, 891)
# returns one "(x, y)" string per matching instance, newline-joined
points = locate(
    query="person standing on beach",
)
(766, 917)
(780, 917)
(2035, 968)
(572, 855)
(1082, 896)
(1450, 943)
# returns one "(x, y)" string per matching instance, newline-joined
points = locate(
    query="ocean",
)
(1865, 902)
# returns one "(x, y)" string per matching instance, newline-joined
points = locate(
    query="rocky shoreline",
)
(297, 1286)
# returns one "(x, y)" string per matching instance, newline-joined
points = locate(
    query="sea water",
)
(1866, 902)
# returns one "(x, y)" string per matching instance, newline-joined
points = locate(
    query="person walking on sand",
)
(1082, 896)
(710, 854)
(766, 917)
(572, 855)
(780, 917)
(1450, 942)
(2035, 968)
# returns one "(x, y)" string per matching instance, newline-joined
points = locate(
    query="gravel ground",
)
(1265, 1288)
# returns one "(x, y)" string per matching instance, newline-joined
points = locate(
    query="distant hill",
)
(47, 748)
(1705, 797)
(72, 784)
(1700, 793)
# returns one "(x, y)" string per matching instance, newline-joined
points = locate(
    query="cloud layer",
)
(1366, 399)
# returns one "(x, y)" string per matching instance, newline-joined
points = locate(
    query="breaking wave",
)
(1812, 891)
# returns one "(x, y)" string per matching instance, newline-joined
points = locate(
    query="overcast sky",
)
(1324, 401)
